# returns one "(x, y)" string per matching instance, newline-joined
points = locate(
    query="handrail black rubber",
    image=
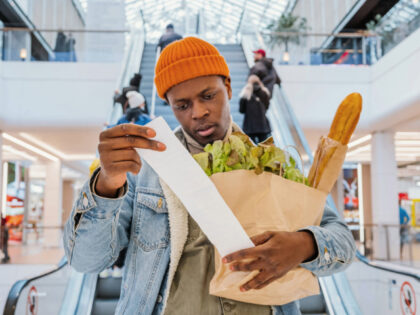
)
(18, 286)
(366, 261)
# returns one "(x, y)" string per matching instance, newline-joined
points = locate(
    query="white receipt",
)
(195, 190)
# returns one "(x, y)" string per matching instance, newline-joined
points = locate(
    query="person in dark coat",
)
(60, 47)
(71, 49)
(135, 81)
(265, 70)
(169, 37)
(254, 102)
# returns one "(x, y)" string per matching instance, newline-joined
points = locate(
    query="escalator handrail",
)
(368, 262)
(18, 286)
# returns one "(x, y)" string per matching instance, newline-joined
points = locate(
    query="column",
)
(386, 242)
(53, 204)
(68, 199)
(365, 207)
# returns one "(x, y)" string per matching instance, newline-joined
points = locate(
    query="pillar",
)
(386, 241)
(53, 204)
(68, 198)
(365, 207)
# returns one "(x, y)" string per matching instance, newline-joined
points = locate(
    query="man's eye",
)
(182, 106)
(208, 97)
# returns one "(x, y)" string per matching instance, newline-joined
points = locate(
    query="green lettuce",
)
(238, 152)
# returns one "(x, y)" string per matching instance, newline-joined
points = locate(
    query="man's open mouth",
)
(206, 131)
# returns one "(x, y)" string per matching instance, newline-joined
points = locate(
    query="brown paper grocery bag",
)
(328, 161)
(267, 202)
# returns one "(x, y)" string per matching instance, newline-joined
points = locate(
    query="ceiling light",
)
(63, 156)
(408, 142)
(360, 141)
(407, 135)
(359, 150)
(30, 147)
(10, 149)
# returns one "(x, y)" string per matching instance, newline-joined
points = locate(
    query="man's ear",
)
(228, 87)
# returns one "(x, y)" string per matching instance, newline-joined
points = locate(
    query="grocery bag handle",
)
(300, 158)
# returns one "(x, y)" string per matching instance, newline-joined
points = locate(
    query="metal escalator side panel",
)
(87, 294)
(72, 293)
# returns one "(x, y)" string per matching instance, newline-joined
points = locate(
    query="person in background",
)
(254, 101)
(4, 240)
(71, 49)
(169, 37)
(264, 69)
(404, 228)
(134, 114)
(60, 47)
(136, 80)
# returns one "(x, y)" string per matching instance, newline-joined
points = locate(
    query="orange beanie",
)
(187, 59)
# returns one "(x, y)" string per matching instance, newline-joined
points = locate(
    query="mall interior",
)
(65, 64)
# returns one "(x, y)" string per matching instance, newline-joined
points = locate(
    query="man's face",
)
(257, 56)
(201, 106)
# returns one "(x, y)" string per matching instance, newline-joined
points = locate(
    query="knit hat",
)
(135, 99)
(187, 59)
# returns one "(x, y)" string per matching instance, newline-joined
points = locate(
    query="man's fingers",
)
(262, 238)
(121, 156)
(125, 167)
(248, 266)
(242, 254)
(130, 142)
(266, 283)
(127, 130)
(258, 280)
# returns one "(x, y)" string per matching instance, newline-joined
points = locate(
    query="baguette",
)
(342, 128)
(346, 118)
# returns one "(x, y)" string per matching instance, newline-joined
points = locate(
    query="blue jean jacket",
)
(99, 228)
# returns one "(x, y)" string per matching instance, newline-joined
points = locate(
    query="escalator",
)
(65, 291)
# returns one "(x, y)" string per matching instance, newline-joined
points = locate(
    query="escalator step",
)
(313, 305)
(108, 288)
(104, 307)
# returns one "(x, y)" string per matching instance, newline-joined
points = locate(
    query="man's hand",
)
(274, 254)
(118, 155)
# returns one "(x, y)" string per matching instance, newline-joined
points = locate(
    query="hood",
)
(268, 62)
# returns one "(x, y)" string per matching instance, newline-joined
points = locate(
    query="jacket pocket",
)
(152, 226)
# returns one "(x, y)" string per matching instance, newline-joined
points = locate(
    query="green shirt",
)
(189, 293)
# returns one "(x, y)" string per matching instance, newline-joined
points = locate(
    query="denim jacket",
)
(99, 228)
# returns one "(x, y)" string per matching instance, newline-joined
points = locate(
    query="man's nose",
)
(199, 110)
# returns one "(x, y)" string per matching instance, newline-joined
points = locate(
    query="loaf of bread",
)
(346, 118)
(344, 123)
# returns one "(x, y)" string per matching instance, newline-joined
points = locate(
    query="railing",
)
(406, 236)
(34, 295)
(295, 48)
(153, 105)
(69, 45)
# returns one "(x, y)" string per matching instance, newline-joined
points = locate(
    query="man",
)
(264, 69)
(169, 260)
(169, 37)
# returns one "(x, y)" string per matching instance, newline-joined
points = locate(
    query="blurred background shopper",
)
(254, 102)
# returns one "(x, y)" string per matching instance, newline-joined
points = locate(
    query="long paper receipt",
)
(178, 169)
